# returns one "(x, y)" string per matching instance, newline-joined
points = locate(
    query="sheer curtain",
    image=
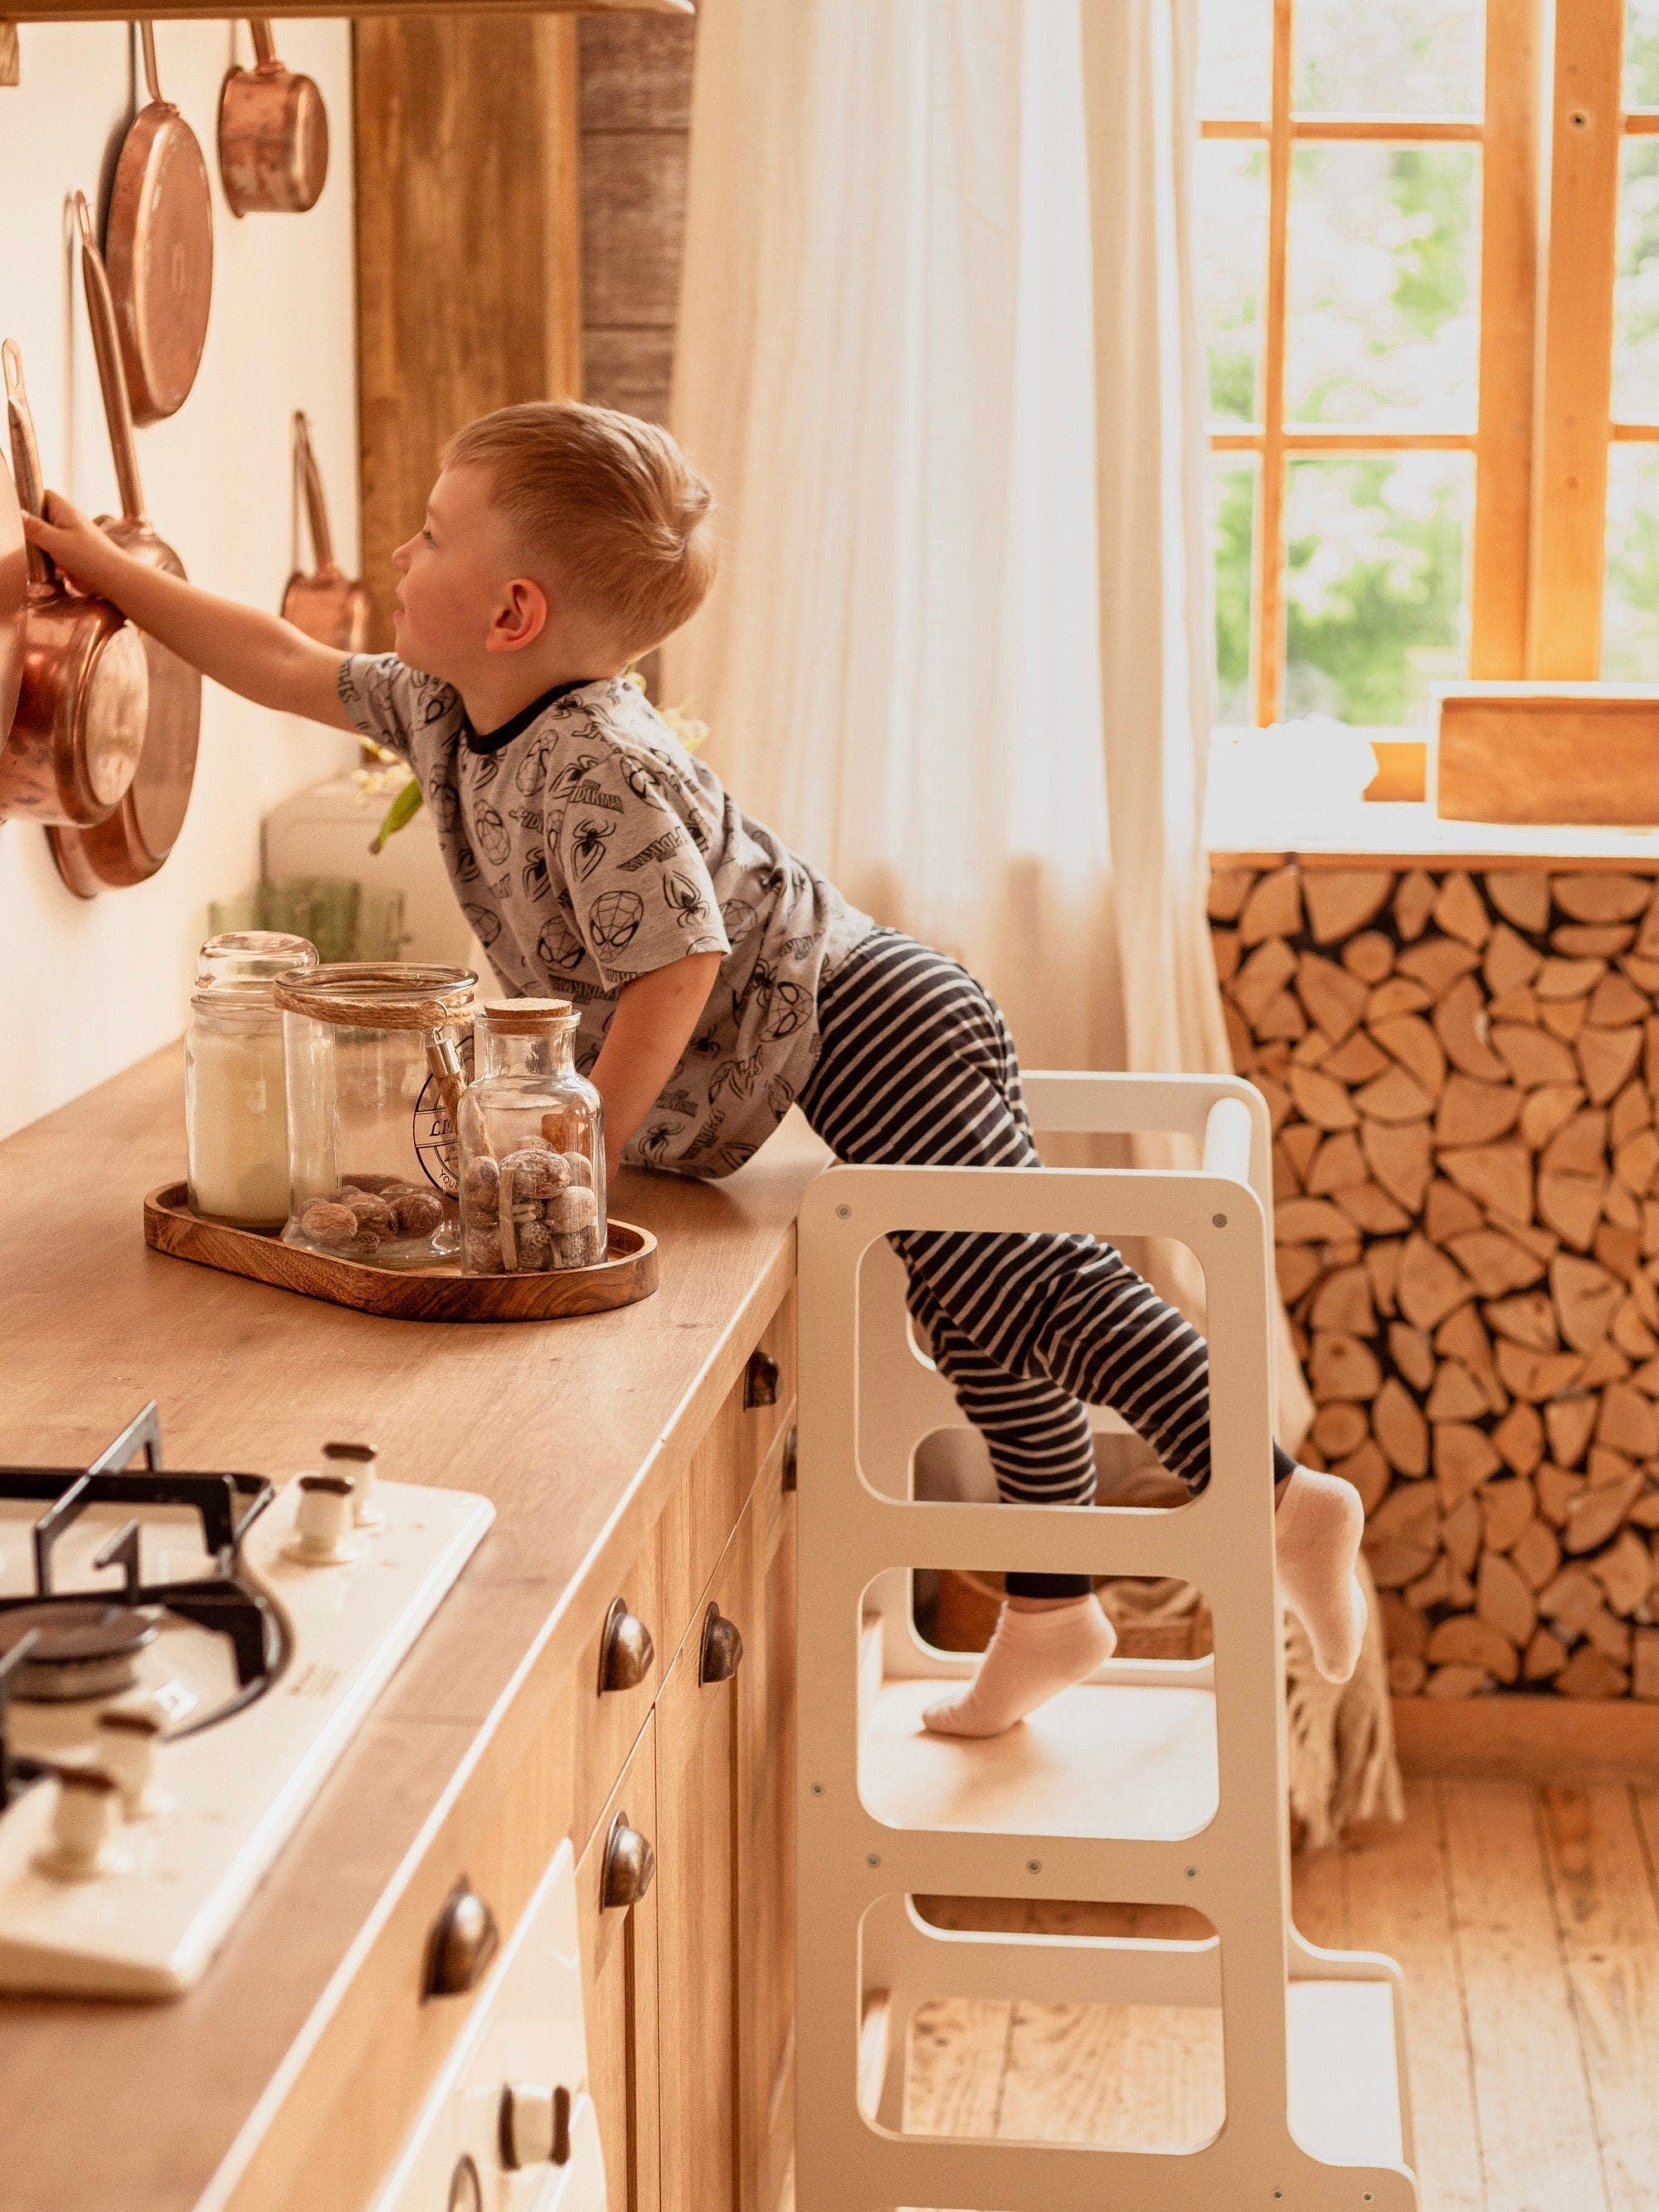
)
(937, 352)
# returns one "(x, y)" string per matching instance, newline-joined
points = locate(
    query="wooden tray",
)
(426, 1294)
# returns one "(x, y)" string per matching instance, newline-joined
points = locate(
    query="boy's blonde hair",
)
(610, 502)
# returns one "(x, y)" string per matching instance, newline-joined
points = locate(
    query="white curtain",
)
(937, 352)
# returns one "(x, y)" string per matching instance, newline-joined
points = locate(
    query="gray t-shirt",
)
(587, 847)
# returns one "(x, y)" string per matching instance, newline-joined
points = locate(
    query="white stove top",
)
(128, 1891)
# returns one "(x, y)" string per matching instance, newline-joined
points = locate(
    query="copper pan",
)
(14, 599)
(158, 244)
(328, 605)
(84, 695)
(133, 842)
(273, 135)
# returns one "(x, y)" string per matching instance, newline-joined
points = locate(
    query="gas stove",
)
(183, 1657)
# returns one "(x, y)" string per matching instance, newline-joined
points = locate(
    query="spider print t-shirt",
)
(587, 847)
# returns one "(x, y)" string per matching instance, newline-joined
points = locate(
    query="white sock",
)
(1030, 1658)
(1317, 1526)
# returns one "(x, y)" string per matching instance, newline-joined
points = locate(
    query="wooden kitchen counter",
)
(577, 1430)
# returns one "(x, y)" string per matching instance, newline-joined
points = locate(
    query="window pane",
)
(1235, 56)
(1402, 58)
(1381, 286)
(1629, 612)
(1233, 523)
(1376, 585)
(1641, 53)
(1636, 287)
(1231, 238)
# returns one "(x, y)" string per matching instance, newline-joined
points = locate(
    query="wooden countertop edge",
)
(1435, 862)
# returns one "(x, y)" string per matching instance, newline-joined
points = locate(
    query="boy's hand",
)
(75, 542)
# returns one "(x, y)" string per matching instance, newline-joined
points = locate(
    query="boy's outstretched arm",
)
(655, 1017)
(249, 652)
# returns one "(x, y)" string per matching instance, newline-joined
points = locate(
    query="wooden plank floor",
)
(1524, 1917)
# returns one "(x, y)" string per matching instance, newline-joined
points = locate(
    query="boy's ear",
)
(521, 617)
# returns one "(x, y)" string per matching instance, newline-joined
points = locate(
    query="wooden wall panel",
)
(468, 245)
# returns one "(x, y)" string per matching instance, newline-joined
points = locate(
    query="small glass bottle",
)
(533, 1144)
(235, 1097)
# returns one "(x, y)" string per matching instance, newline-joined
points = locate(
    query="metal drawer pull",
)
(722, 1648)
(534, 2125)
(791, 1461)
(760, 1384)
(464, 1942)
(629, 1864)
(625, 1649)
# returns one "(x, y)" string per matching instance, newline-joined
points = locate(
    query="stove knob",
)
(81, 1822)
(320, 1521)
(359, 1464)
(535, 2125)
(129, 1737)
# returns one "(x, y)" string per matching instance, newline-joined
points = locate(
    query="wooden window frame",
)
(1543, 424)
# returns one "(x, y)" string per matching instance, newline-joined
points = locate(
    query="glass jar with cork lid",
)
(533, 1144)
(375, 1071)
(235, 1094)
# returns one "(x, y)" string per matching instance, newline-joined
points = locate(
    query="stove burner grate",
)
(57, 1646)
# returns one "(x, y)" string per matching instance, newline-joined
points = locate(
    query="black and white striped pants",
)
(917, 1068)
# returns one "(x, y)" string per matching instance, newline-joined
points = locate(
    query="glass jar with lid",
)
(235, 1097)
(375, 1070)
(533, 1144)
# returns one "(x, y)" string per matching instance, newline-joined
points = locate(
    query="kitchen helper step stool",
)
(1159, 1783)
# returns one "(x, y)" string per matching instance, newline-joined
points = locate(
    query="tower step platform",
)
(1155, 1782)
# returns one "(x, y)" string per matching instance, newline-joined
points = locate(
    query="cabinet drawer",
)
(619, 1992)
(697, 1522)
(613, 1693)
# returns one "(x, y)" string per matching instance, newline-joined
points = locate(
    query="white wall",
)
(92, 987)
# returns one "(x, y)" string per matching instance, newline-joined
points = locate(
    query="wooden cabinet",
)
(619, 1988)
(698, 1737)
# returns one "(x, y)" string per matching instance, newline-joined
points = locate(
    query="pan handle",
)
(25, 457)
(322, 541)
(147, 39)
(112, 378)
(264, 45)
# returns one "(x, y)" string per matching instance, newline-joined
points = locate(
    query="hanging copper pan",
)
(328, 605)
(273, 135)
(133, 842)
(84, 695)
(158, 244)
(14, 599)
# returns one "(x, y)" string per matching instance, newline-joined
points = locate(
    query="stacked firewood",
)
(1460, 1069)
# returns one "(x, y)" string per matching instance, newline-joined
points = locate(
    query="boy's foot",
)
(1031, 1657)
(1317, 1527)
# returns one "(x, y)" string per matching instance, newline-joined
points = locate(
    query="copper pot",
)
(137, 837)
(328, 605)
(13, 599)
(84, 695)
(273, 135)
(159, 245)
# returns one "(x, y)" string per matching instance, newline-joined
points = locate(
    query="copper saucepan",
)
(14, 599)
(131, 844)
(328, 605)
(158, 247)
(85, 691)
(273, 135)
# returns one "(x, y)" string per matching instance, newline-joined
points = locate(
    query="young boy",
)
(719, 978)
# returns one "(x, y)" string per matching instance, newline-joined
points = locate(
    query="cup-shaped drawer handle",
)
(629, 1863)
(625, 1649)
(463, 1941)
(760, 1384)
(722, 1647)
